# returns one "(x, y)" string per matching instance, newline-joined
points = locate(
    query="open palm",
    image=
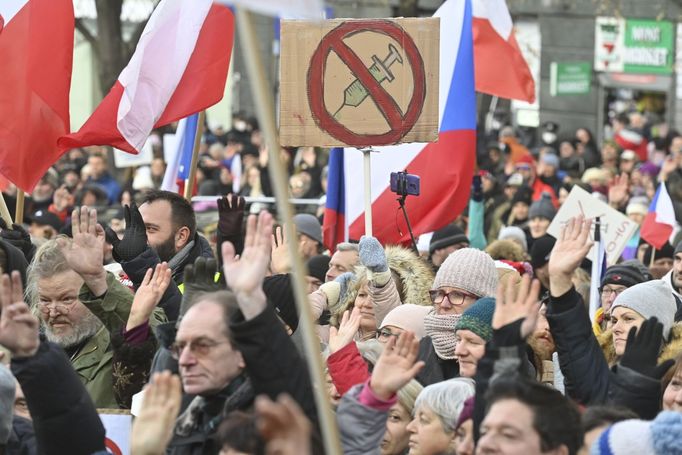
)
(396, 365)
(18, 327)
(84, 253)
(571, 247)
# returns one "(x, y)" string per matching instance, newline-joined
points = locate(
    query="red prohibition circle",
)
(399, 124)
(112, 446)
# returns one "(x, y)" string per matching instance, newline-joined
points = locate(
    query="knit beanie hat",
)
(678, 248)
(467, 412)
(307, 224)
(470, 270)
(7, 392)
(622, 274)
(540, 251)
(661, 436)
(478, 318)
(408, 317)
(523, 194)
(666, 251)
(318, 266)
(650, 299)
(542, 208)
(449, 235)
(514, 233)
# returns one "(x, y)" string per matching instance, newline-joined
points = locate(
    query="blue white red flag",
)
(179, 160)
(445, 167)
(660, 225)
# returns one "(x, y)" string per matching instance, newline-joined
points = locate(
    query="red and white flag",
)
(36, 53)
(500, 67)
(179, 67)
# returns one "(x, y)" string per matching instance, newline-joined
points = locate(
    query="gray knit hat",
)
(514, 233)
(308, 225)
(650, 299)
(542, 208)
(470, 270)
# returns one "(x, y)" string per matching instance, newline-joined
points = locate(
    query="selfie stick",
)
(402, 191)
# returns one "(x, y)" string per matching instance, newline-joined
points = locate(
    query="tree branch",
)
(89, 37)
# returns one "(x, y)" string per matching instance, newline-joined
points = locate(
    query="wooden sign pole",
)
(367, 165)
(19, 212)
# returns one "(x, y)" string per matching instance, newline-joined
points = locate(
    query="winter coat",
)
(22, 439)
(435, 368)
(94, 360)
(273, 366)
(64, 418)
(15, 259)
(588, 378)
(347, 368)
(361, 427)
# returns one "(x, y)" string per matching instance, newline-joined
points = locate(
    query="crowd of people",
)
(117, 294)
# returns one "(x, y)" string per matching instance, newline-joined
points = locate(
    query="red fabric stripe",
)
(36, 51)
(446, 168)
(499, 66)
(655, 233)
(333, 231)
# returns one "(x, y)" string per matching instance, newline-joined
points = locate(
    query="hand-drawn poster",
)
(359, 82)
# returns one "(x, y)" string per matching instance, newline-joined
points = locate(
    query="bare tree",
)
(112, 52)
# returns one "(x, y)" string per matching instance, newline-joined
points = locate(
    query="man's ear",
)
(182, 238)
(561, 450)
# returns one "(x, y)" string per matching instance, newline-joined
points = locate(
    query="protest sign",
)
(117, 425)
(616, 228)
(124, 159)
(359, 82)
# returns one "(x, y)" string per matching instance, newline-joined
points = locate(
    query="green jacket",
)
(93, 362)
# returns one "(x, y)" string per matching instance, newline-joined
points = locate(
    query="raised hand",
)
(283, 425)
(396, 366)
(18, 327)
(134, 240)
(230, 214)
(199, 277)
(372, 254)
(62, 198)
(525, 305)
(85, 253)
(153, 426)
(569, 251)
(341, 337)
(336, 290)
(245, 275)
(618, 192)
(148, 294)
(642, 348)
(280, 261)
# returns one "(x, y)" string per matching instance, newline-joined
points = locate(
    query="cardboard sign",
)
(359, 82)
(117, 426)
(124, 159)
(616, 228)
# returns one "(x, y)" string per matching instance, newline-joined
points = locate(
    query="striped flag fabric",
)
(660, 225)
(179, 160)
(179, 67)
(445, 167)
(289, 9)
(36, 54)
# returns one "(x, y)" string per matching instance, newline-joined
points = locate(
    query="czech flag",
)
(660, 225)
(501, 69)
(179, 160)
(445, 167)
(36, 53)
(179, 67)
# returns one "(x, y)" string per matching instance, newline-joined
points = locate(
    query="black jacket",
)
(273, 367)
(435, 368)
(587, 376)
(22, 439)
(64, 418)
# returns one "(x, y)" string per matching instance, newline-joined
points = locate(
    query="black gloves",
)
(18, 237)
(230, 223)
(199, 277)
(642, 350)
(134, 240)
(477, 189)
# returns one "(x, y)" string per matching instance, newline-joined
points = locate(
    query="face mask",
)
(240, 125)
(548, 137)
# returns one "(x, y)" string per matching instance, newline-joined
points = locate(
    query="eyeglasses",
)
(605, 292)
(385, 334)
(60, 306)
(199, 348)
(454, 297)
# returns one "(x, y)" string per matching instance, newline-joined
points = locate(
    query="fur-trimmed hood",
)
(412, 275)
(671, 349)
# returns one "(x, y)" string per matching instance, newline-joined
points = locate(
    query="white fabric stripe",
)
(10, 8)
(154, 71)
(289, 9)
(497, 13)
(396, 157)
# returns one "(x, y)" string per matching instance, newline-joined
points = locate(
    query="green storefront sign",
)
(648, 46)
(570, 78)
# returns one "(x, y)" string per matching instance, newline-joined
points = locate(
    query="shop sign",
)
(570, 78)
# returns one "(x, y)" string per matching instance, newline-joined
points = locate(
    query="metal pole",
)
(367, 165)
(262, 96)
(192, 177)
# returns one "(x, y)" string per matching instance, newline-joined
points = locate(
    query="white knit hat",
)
(650, 299)
(470, 270)
(408, 317)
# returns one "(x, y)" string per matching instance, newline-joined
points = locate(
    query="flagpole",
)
(265, 111)
(596, 271)
(192, 176)
(19, 212)
(367, 161)
(4, 211)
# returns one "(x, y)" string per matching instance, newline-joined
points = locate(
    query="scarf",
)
(180, 256)
(441, 329)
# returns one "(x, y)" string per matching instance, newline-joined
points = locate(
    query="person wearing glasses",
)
(466, 275)
(616, 279)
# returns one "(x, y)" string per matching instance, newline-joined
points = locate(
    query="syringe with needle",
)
(356, 93)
